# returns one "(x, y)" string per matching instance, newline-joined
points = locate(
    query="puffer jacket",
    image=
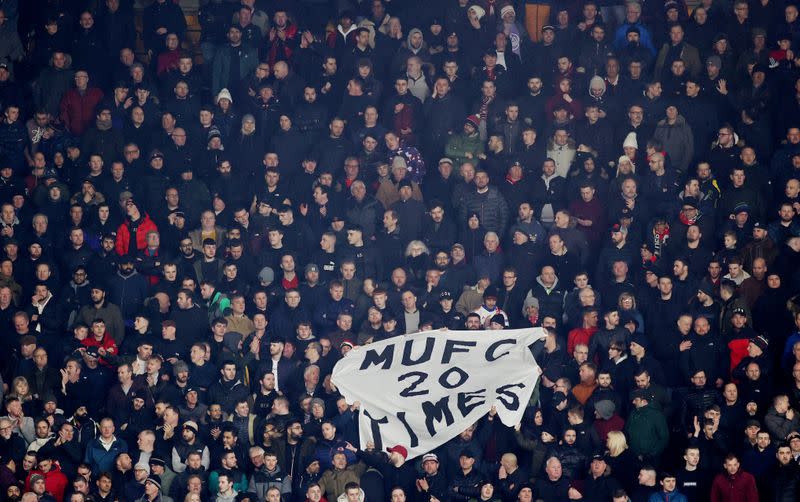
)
(678, 141)
(491, 207)
(55, 482)
(51, 86)
(143, 226)
(573, 460)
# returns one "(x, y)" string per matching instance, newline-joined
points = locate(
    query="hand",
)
(790, 414)
(255, 346)
(161, 30)
(696, 424)
(102, 351)
(304, 209)
(501, 473)
(582, 26)
(326, 88)
(574, 494)
(64, 377)
(685, 345)
(518, 427)
(719, 383)
(272, 34)
(398, 107)
(352, 448)
(128, 103)
(423, 484)
(567, 98)
(722, 86)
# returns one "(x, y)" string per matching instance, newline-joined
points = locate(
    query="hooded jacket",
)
(55, 482)
(678, 141)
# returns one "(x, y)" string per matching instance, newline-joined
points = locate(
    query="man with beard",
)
(293, 450)
(188, 444)
(128, 289)
(101, 308)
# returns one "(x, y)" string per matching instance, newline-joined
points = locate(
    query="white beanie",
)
(506, 9)
(630, 140)
(226, 94)
(480, 11)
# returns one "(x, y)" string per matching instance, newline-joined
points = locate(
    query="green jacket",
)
(647, 431)
(459, 144)
(217, 306)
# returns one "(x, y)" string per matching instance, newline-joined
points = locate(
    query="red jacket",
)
(107, 343)
(124, 234)
(55, 482)
(579, 336)
(78, 111)
(741, 487)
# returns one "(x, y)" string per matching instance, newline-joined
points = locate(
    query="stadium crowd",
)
(195, 231)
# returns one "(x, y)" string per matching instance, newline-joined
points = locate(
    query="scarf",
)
(484, 109)
(687, 221)
(660, 239)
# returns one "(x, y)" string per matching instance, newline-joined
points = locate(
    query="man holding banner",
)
(423, 389)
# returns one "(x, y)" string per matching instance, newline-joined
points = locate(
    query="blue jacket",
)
(102, 460)
(673, 496)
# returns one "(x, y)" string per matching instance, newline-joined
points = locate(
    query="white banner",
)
(421, 390)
